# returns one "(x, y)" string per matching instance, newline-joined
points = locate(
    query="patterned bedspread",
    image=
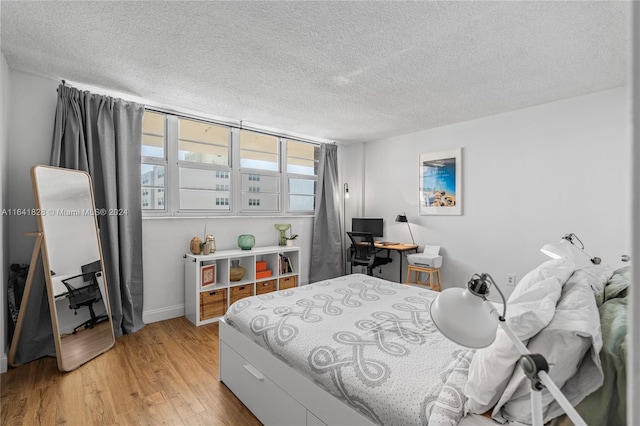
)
(367, 341)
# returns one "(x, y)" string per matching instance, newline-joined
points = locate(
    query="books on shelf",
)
(286, 267)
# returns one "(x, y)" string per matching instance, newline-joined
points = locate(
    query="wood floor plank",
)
(166, 373)
(69, 405)
(40, 408)
(13, 410)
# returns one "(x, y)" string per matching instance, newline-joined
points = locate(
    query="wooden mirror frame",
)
(69, 355)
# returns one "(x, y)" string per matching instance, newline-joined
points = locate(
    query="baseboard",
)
(4, 365)
(162, 314)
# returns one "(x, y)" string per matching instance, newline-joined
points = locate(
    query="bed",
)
(348, 351)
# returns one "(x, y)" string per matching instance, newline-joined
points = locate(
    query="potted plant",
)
(290, 239)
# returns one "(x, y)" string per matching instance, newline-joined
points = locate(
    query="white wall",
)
(31, 116)
(4, 203)
(529, 176)
(351, 166)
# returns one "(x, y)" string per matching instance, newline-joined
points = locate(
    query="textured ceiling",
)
(342, 71)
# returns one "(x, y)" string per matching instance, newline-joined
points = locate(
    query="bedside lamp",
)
(564, 248)
(467, 318)
(403, 218)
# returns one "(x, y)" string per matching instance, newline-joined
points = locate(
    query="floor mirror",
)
(68, 240)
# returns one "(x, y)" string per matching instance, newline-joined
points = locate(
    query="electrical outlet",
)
(511, 279)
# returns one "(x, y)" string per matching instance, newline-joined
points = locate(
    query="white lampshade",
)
(463, 318)
(562, 248)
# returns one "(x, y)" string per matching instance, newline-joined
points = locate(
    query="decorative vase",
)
(210, 241)
(282, 228)
(194, 246)
(246, 241)
(236, 272)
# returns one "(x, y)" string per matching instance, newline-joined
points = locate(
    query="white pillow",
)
(530, 308)
(596, 276)
(562, 268)
(571, 344)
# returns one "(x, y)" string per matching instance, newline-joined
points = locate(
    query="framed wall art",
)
(441, 183)
(208, 275)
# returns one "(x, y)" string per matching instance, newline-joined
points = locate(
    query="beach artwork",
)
(440, 182)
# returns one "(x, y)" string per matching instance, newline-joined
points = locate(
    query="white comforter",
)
(369, 342)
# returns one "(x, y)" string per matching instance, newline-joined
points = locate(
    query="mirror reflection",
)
(72, 259)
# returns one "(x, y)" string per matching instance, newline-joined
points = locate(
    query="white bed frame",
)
(279, 395)
(274, 392)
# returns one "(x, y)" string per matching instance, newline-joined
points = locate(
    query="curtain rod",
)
(231, 124)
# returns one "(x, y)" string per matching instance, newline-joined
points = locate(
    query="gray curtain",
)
(102, 136)
(36, 338)
(327, 245)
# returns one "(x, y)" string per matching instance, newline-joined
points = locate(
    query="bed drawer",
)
(267, 401)
(288, 282)
(213, 303)
(263, 287)
(238, 292)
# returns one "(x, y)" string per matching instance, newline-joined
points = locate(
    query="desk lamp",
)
(466, 317)
(403, 218)
(564, 248)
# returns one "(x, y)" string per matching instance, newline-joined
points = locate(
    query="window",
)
(259, 151)
(194, 167)
(153, 140)
(302, 172)
(200, 142)
(203, 149)
(268, 188)
(154, 160)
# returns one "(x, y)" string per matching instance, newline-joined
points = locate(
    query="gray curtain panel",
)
(327, 245)
(36, 337)
(101, 135)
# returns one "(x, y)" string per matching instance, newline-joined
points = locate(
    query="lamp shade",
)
(401, 218)
(568, 247)
(463, 318)
(562, 248)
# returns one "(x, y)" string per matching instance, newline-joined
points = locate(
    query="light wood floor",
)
(166, 373)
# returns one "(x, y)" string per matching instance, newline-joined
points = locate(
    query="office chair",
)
(363, 252)
(86, 292)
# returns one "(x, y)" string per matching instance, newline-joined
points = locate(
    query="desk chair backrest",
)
(363, 250)
(83, 292)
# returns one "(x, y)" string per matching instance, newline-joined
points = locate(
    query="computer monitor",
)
(367, 224)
